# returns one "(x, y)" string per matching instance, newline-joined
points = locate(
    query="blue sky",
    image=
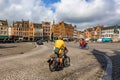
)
(50, 2)
(83, 13)
(87, 0)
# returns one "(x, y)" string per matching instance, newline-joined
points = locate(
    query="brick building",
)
(93, 33)
(64, 29)
(21, 29)
(46, 29)
(37, 32)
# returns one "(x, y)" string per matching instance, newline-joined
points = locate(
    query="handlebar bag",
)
(56, 50)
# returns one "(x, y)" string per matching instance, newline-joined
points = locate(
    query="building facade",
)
(88, 33)
(69, 30)
(21, 29)
(4, 29)
(46, 29)
(111, 32)
(75, 32)
(64, 29)
(31, 33)
(93, 33)
(80, 34)
(9, 31)
(107, 32)
(37, 32)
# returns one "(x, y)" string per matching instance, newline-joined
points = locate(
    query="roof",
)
(3, 22)
(67, 24)
(19, 22)
(110, 27)
(37, 24)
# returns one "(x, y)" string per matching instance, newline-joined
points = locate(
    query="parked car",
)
(39, 42)
(106, 39)
(99, 40)
(87, 39)
(65, 39)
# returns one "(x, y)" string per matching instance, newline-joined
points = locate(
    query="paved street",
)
(15, 48)
(112, 51)
(32, 65)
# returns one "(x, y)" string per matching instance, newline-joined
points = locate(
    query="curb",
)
(108, 71)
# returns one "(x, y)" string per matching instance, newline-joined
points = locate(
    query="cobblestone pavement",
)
(115, 58)
(15, 48)
(112, 50)
(32, 65)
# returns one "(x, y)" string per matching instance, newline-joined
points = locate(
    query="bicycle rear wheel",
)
(53, 66)
(87, 47)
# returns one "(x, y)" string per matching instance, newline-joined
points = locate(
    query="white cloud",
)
(83, 14)
(32, 10)
(88, 13)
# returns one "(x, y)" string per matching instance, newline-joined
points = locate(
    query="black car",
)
(39, 42)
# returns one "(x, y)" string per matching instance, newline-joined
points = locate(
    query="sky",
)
(82, 13)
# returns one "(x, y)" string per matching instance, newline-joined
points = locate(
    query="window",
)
(1, 28)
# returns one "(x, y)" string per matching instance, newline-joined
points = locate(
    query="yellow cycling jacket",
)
(59, 44)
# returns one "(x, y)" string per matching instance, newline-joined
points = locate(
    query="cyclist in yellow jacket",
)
(59, 44)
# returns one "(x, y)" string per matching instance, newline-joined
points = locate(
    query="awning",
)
(4, 37)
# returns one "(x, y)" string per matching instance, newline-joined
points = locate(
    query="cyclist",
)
(82, 43)
(59, 44)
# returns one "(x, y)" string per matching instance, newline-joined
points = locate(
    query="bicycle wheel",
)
(52, 66)
(66, 61)
(87, 47)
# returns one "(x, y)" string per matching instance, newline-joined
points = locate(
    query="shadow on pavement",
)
(3, 47)
(117, 52)
(115, 65)
(114, 71)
